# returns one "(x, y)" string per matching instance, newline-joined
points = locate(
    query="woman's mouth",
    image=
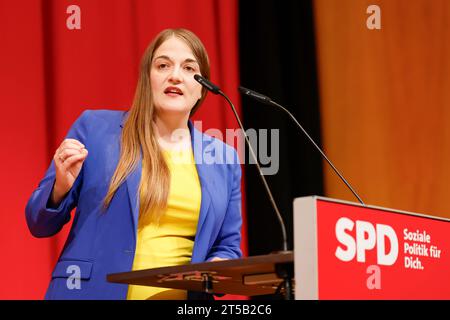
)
(173, 91)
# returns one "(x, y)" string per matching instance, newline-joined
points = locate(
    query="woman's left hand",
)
(218, 259)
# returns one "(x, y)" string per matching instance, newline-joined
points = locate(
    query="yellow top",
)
(170, 242)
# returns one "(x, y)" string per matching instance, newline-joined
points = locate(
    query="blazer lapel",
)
(205, 173)
(132, 182)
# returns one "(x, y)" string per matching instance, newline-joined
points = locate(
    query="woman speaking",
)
(149, 189)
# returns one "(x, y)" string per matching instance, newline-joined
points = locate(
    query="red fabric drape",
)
(50, 74)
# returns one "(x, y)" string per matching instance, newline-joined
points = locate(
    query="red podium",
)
(342, 250)
(345, 250)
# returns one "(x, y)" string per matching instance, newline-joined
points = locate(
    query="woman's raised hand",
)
(68, 158)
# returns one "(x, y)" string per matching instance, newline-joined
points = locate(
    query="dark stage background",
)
(277, 58)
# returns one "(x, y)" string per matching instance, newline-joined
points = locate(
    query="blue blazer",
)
(103, 242)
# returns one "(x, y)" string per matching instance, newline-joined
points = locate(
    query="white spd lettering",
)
(367, 237)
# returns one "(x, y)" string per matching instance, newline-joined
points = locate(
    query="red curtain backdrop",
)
(50, 74)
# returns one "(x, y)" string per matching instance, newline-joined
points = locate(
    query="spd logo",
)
(367, 237)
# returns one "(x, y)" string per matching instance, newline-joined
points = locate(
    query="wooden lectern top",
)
(248, 276)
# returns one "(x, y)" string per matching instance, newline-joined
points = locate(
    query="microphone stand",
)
(284, 271)
(264, 99)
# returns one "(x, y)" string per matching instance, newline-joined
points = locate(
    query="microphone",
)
(216, 90)
(207, 84)
(262, 98)
(255, 95)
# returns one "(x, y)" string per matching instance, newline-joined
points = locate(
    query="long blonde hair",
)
(138, 136)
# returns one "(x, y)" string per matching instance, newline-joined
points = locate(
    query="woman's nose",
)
(175, 75)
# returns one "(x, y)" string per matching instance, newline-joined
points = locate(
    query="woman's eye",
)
(162, 66)
(189, 68)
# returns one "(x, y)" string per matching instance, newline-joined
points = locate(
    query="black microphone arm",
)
(266, 100)
(215, 89)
